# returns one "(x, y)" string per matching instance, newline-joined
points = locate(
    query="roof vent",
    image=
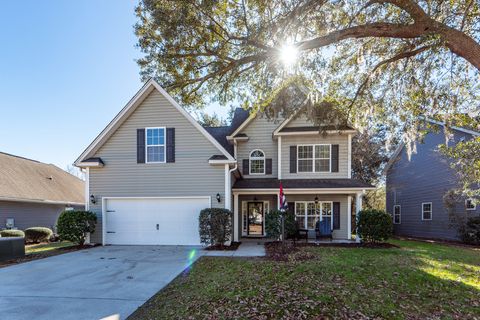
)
(50, 178)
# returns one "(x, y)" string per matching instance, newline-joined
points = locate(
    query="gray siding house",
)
(416, 186)
(153, 168)
(33, 194)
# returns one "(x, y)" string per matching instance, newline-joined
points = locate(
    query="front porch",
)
(318, 211)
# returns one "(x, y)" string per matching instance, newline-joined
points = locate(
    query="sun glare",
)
(288, 54)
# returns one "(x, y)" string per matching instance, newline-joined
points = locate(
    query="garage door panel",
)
(134, 221)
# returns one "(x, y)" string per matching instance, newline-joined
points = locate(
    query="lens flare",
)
(288, 54)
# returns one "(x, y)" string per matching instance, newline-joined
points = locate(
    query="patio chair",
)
(323, 229)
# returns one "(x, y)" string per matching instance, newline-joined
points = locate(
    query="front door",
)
(255, 219)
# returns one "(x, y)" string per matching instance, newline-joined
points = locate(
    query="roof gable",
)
(130, 108)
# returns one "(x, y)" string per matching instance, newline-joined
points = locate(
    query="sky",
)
(66, 69)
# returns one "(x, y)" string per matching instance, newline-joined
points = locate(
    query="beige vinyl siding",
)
(190, 175)
(29, 215)
(260, 132)
(299, 121)
(340, 139)
(341, 233)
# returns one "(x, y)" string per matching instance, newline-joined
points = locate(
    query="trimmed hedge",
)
(215, 226)
(12, 233)
(273, 224)
(38, 234)
(374, 225)
(73, 225)
(470, 231)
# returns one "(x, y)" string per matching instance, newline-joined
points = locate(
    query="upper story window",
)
(155, 144)
(427, 211)
(470, 204)
(314, 158)
(397, 214)
(257, 162)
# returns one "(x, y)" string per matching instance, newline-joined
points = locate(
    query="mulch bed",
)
(232, 247)
(291, 252)
(41, 255)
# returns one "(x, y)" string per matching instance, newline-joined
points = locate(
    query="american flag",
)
(283, 200)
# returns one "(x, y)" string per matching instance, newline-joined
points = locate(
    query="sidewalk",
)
(246, 249)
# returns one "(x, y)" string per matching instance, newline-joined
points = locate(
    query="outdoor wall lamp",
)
(316, 200)
(218, 197)
(92, 199)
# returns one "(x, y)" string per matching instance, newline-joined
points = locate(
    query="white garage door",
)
(153, 221)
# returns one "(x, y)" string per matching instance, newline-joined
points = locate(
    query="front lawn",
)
(47, 247)
(418, 280)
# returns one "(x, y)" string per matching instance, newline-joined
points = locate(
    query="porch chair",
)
(323, 229)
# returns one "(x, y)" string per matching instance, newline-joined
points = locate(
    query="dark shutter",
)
(170, 144)
(140, 145)
(291, 207)
(268, 166)
(336, 215)
(293, 159)
(334, 157)
(246, 168)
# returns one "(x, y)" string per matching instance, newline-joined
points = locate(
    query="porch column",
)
(278, 201)
(235, 217)
(358, 208)
(349, 217)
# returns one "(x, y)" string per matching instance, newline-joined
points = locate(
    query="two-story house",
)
(153, 168)
(416, 187)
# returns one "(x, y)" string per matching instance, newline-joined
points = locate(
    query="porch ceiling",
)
(272, 183)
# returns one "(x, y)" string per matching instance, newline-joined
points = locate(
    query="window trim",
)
(474, 205)
(250, 158)
(313, 158)
(156, 145)
(399, 213)
(431, 211)
(305, 216)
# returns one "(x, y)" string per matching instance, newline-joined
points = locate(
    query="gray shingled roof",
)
(220, 133)
(25, 179)
(271, 183)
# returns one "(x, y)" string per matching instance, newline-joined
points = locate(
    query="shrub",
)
(74, 224)
(12, 233)
(273, 224)
(470, 231)
(37, 234)
(374, 225)
(215, 226)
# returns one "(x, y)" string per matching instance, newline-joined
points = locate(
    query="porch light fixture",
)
(255, 198)
(316, 199)
(218, 197)
(92, 199)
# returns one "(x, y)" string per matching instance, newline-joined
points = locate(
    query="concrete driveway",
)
(90, 284)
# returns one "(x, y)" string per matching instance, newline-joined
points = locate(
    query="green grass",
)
(46, 247)
(417, 280)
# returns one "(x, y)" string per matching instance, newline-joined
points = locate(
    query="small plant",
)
(215, 226)
(12, 233)
(273, 224)
(75, 224)
(37, 234)
(470, 231)
(374, 225)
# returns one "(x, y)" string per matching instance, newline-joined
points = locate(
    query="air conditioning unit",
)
(10, 223)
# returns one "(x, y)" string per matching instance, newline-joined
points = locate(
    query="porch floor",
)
(323, 241)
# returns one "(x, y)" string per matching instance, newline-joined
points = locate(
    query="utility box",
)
(12, 248)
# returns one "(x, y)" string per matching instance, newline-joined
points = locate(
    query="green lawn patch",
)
(417, 280)
(46, 247)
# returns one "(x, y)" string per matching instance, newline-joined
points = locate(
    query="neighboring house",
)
(33, 194)
(416, 186)
(153, 168)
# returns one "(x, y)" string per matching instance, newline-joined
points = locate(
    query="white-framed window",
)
(155, 145)
(314, 158)
(397, 214)
(257, 162)
(470, 204)
(307, 213)
(426, 211)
